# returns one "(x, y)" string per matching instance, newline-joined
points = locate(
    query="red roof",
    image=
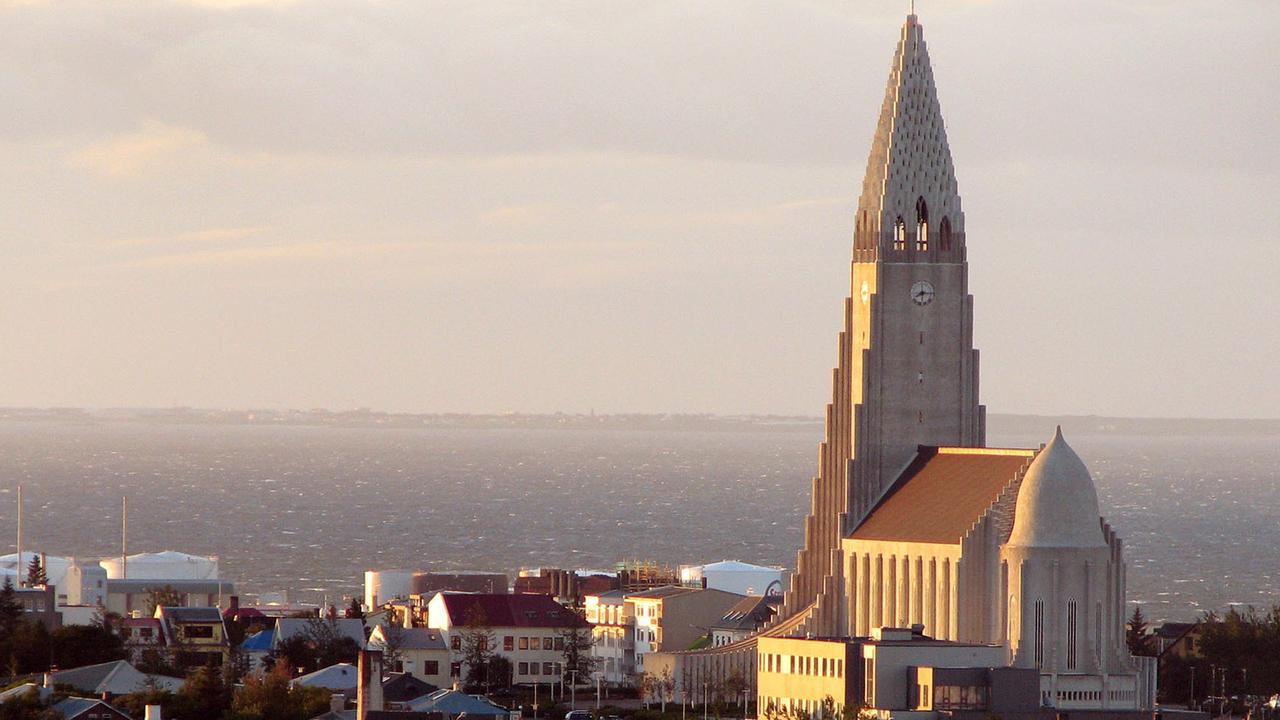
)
(140, 622)
(516, 610)
(942, 494)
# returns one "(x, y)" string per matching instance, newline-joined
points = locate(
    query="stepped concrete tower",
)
(914, 522)
(907, 373)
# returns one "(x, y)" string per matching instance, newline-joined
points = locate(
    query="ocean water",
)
(308, 509)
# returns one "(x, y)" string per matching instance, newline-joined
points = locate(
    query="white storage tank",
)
(735, 577)
(167, 565)
(383, 585)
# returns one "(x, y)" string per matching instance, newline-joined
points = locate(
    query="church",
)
(937, 574)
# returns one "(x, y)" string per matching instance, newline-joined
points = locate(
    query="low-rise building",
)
(895, 673)
(736, 577)
(419, 652)
(673, 618)
(133, 597)
(78, 708)
(528, 630)
(117, 677)
(196, 636)
(744, 619)
(143, 638)
(613, 635)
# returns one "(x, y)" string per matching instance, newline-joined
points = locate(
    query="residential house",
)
(453, 704)
(353, 628)
(400, 689)
(40, 603)
(528, 630)
(744, 619)
(117, 677)
(1178, 639)
(340, 678)
(196, 636)
(613, 635)
(673, 618)
(78, 708)
(143, 638)
(422, 652)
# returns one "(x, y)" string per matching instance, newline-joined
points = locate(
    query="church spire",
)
(910, 204)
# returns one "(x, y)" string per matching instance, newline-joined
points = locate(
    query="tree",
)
(270, 697)
(354, 610)
(331, 646)
(665, 685)
(296, 653)
(162, 597)
(392, 636)
(577, 642)
(477, 648)
(10, 610)
(499, 673)
(204, 695)
(1136, 635)
(36, 576)
(79, 645)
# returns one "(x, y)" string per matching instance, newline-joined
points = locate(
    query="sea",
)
(307, 508)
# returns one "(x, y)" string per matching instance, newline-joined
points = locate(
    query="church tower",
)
(907, 373)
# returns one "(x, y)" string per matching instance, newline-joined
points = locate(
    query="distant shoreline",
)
(997, 423)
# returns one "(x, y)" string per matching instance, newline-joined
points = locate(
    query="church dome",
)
(1057, 502)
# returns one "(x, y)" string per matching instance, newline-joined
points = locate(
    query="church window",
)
(945, 233)
(899, 234)
(1039, 633)
(1071, 634)
(922, 225)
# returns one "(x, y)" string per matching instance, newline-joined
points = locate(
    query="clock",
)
(922, 293)
(866, 292)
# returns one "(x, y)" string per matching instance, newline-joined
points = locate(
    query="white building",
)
(613, 635)
(166, 565)
(735, 577)
(528, 630)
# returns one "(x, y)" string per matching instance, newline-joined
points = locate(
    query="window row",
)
(802, 665)
(552, 669)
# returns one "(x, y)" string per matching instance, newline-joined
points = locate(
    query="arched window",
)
(899, 234)
(945, 232)
(922, 225)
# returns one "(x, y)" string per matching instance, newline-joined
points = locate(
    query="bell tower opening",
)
(922, 225)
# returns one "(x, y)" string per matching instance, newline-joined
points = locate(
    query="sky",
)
(620, 207)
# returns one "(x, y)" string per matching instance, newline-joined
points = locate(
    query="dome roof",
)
(1057, 502)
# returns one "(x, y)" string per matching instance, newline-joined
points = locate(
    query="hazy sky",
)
(540, 206)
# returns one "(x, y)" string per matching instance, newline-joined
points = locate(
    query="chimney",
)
(152, 712)
(337, 702)
(369, 691)
(233, 606)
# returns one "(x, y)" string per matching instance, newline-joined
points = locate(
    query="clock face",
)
(922, 293)
(866, 292)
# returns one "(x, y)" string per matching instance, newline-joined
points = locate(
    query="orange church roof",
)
(942, 493)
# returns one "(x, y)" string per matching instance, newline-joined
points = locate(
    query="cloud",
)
(130, 154)
(211, 235)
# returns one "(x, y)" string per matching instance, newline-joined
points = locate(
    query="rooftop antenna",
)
(124, 537)
(17, 568)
